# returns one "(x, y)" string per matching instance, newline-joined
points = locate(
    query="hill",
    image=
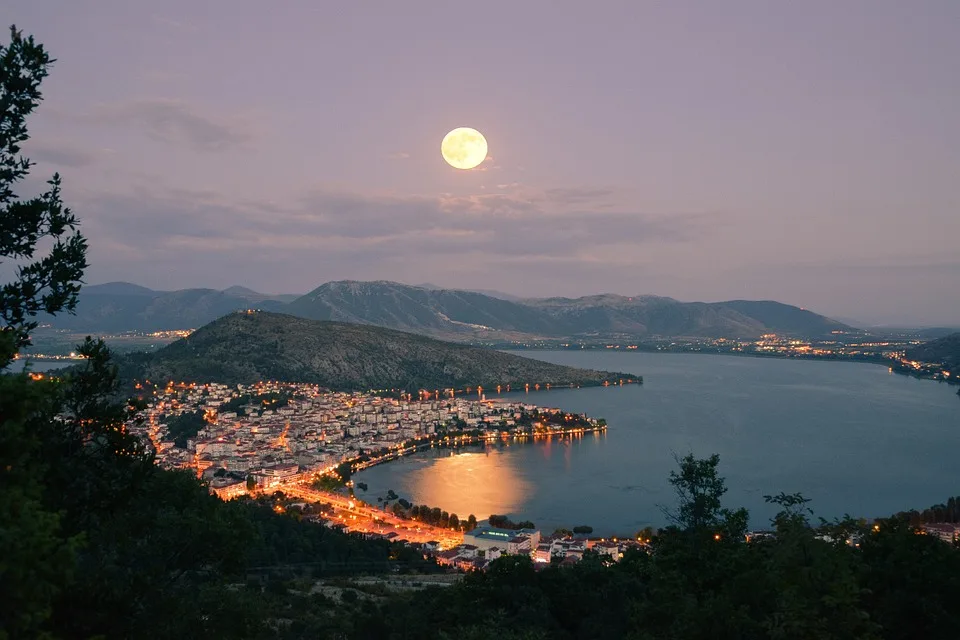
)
(248, 347)
(945, 350)
(450, 314)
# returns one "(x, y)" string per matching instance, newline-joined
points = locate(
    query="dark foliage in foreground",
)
(702, 580)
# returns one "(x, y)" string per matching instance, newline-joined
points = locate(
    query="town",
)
(304, 442)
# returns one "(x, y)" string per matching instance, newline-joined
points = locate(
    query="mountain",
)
(785, 318)
(119, 289)
(451, 314)
(438, 311)
(646, 316)
(247, 347)
(493, 293)
(463, 313)
(944, 350)
(254, 296)
(121, 306)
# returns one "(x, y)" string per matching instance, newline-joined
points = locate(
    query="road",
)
(362, 517)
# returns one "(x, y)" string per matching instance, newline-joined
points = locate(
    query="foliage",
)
(246, 348)
(947, 512)
(185, 426)
(47, 284)
(328, 482)
(697, 584)
(37, 555)
(503, 522)
(272, 400)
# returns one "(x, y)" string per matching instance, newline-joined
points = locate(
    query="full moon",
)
(464, 148)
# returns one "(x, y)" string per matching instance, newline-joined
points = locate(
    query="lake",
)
(851, 436)
(39, 366)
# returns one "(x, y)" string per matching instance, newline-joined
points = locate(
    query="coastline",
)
(932, 372)
(465, 439)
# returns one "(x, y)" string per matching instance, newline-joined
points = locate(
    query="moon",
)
(464, 148)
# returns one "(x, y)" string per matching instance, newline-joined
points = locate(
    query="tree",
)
(185, 426)
(47, 284)
(645, 535)
(36, 558)
(251, 482)
(699, 489)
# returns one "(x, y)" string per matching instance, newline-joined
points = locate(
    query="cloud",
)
(364, 232)
(177, 123)
(398, 155)
(577, 195)
(59, 154)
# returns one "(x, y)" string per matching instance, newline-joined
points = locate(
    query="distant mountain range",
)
(242, 348)
(121, 306)
(448, 313)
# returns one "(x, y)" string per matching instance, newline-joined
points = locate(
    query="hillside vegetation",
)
(247, 347)
(945, 350)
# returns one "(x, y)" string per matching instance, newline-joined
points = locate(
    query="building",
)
(945, 531)
(228, 488)
(521, 545)
(488, 537)
(542, 553)
(610, 550)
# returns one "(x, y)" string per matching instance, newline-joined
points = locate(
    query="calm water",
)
(853, 437)
(39, 366)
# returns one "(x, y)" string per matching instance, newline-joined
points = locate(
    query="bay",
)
(850, 436)
(39, 366)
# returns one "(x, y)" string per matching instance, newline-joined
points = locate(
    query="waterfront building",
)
(520, 541)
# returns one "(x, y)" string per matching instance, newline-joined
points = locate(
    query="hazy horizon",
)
(806, 153)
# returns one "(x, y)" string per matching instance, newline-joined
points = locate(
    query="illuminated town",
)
(302, 440)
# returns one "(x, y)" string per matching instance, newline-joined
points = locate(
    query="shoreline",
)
(464, 439)
(894, 366)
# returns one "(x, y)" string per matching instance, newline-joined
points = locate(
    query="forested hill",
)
(945, 350)
(247, 347)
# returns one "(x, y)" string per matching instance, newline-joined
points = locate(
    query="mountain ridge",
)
(455, 314)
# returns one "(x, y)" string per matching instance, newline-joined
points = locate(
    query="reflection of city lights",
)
(470, 483)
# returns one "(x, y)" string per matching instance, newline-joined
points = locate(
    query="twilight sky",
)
(807, 152)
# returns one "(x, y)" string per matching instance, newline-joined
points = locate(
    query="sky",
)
(807, 152)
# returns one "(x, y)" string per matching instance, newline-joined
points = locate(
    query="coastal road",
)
(362, 517)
